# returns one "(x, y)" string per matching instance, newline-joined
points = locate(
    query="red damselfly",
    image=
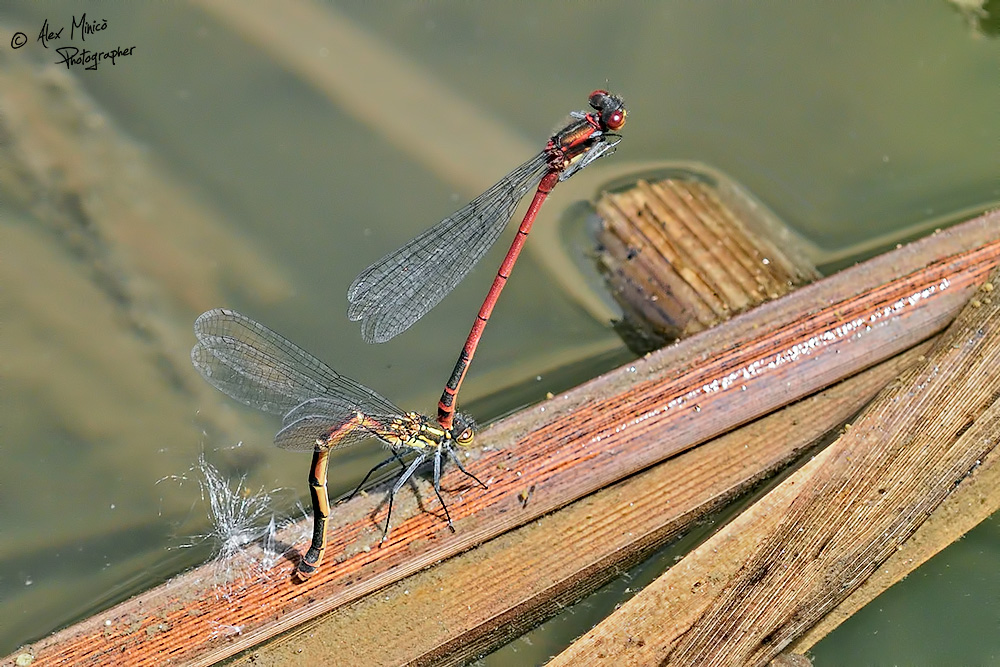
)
(321, 411)
(570, 141)
(393, 293)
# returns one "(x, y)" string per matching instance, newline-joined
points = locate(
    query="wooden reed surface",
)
(570, 446)
(768, 577)
(480, 600)
(679, 260)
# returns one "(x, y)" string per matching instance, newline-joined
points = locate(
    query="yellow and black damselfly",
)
(321, 410)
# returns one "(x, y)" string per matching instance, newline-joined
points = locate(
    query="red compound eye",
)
(615, 119)
(598, 99)
(610, 107)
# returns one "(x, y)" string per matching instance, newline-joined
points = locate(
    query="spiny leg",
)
(454, 457)
(395, 489)
(395, 457)
(437, 487)
(321, 511)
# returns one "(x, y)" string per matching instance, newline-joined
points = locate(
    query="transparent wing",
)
(334, 422)
(393, 293)
(307, 432)
(258, 367)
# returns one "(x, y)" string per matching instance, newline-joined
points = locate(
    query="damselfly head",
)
(597, 98)
(463, 429)
(611, 109)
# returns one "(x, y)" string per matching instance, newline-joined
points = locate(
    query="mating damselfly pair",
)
(322, 410)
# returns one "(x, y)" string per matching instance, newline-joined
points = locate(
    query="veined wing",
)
(330, 423)
(260, 368)
(393, 293)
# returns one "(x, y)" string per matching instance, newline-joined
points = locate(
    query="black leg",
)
(454, 457)
(395, 489)
(395, 457)
(437, 487)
